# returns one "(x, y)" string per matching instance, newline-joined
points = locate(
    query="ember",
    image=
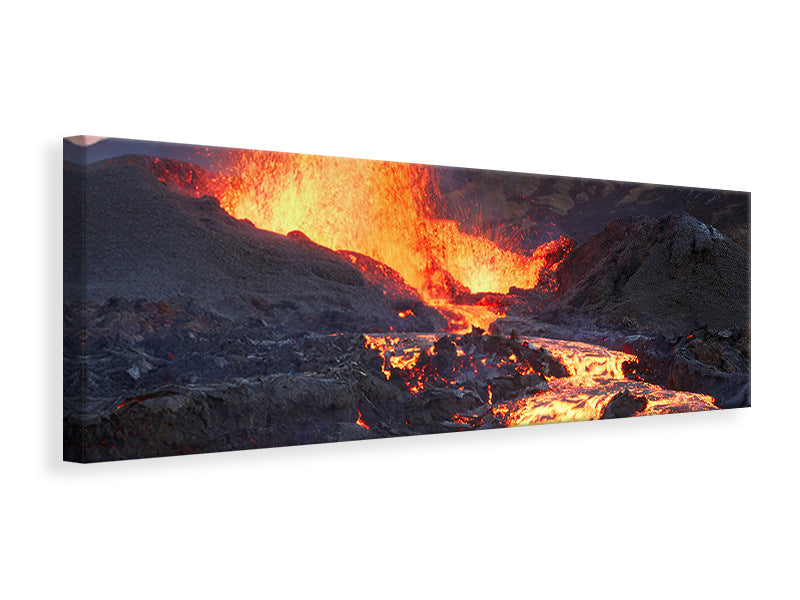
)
(360, 420)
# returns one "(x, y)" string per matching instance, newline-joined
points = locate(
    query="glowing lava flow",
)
(360, 420)
(595, 378)
(461, 317)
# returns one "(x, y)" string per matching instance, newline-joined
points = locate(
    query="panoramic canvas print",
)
(224, 299)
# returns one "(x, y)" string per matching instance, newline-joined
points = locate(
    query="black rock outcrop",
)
(666, 276)
(624, 404)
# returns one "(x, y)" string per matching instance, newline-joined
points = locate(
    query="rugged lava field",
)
(267, 299)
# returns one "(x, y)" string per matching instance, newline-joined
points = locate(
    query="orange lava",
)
(360, 420)
(400, 351)
(462, 317)
(595, 377)
(382, 209)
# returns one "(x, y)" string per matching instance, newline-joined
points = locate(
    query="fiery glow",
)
(461, 317)
(399, 352)
(381, 209)
(596, 376)
(384, 210)
(360, 420)
(586, 363)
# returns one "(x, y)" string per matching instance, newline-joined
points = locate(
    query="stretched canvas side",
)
(74, 365)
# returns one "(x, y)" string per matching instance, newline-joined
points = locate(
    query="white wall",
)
(695, 93)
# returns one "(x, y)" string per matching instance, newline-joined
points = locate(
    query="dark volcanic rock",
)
(467, 375)
(516, 386)
(436, 404)
(133, 348)
(411, 313)
(707, 362)
(730, 390)
(716, 363)
(624, 404)
(666, 276)
(186, 330)
(537, 360)
(292, 392)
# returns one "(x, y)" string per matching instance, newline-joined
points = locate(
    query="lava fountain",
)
(384, 210)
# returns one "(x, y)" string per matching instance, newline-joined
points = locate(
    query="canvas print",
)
(223, 299)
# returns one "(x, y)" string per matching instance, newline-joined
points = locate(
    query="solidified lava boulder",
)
(516, 386)
(538, 360)
(438, 404)
(713, 363)
(467, 375)
(716, 363)
(624, 404)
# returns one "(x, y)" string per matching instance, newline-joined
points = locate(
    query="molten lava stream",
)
(595, 377)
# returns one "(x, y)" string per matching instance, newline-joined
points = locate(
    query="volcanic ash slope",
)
(669, 276)
(142, 241)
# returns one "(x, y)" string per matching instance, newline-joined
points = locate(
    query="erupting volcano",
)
(387, 211)
(291, 298)
(384, 210)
